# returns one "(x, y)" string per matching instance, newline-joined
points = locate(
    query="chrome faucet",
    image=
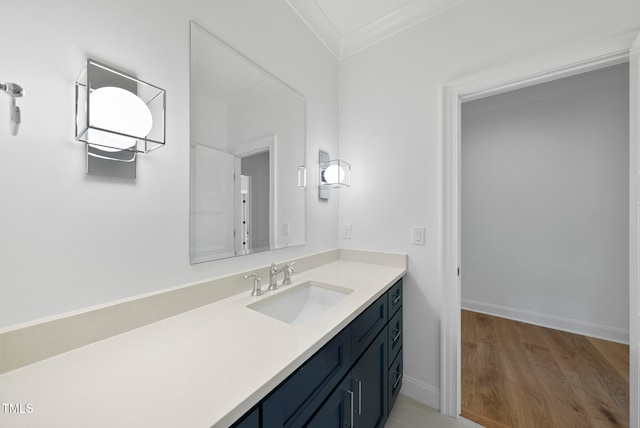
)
(288, 271)
(257, 283)
(273, 275)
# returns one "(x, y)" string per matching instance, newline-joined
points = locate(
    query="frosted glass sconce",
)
(118, 116)
(333, 173)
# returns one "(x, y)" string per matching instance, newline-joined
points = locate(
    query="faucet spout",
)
(287, 270)
(273, 276)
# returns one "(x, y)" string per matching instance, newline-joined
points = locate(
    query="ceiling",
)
(347, 26)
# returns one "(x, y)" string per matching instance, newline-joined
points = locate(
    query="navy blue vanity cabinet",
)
(298, 397)
(250, 420)
(369, 380)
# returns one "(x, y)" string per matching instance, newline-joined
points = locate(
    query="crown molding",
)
(386, 26)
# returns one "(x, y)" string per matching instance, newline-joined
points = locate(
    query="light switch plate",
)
(417, 235)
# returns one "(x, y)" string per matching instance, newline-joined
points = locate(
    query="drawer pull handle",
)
(397, 336)
(359, 411)
(395, 385)
(350, 424)
(397, 299)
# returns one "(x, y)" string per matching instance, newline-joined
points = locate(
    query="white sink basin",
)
(301, 302)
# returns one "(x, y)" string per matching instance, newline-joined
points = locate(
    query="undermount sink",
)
(301, 302)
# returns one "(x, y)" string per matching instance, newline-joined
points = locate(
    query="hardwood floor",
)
(519, 375)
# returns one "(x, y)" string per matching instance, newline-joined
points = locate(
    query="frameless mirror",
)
(248, 139)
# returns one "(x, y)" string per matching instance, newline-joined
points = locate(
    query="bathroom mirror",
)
(248, 139)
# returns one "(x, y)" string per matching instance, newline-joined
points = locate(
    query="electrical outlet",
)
(417, 235)
(346, 231)
(285, 229)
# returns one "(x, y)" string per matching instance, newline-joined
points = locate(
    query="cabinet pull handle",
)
(397, 299)
(359, 411)
(395, 385)
(350, 424)
(395, 339)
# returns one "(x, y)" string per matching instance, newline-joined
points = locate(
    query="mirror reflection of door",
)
(214, 203)
(254, 201)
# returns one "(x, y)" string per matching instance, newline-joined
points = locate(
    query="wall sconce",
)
(333, 173)
(118, 116)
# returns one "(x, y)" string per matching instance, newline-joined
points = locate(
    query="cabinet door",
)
(337, 411)
(370, 377)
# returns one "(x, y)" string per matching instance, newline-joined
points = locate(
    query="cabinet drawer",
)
(395, 335)
(367, 326)
(297, 398)
(395, 297)
(395, 379)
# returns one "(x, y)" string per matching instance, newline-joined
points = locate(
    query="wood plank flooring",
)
(519, 375)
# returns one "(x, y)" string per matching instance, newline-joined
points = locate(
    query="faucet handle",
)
(257, 283)
(288, 271)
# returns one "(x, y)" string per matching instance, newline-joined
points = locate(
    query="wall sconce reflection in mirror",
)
(333, 173)
(118, 116)
(14, 91)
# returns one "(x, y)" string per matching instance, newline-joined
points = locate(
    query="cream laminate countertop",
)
(202, 368)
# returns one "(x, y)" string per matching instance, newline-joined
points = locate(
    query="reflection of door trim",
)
(252, 147)
(555, 65)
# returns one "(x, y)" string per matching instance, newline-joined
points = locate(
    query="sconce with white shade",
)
(118, 116)
(333, 173)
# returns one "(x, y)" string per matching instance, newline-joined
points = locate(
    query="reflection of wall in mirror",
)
(209, 122)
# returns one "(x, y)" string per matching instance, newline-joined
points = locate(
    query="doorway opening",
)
(561, 63)
(544, 241)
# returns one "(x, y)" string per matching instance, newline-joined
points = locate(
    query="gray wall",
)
(545, 204)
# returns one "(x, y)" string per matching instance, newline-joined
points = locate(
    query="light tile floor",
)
(409, 413)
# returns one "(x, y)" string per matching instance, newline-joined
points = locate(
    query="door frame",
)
(556, 64)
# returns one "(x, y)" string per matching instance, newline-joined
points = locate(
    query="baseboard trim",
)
(421, 392)
(599, 331)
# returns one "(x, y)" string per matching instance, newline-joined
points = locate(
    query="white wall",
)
(390, 132)
(545, 211)
(69, 241)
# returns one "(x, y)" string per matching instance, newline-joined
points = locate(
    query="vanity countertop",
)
(202, 368)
